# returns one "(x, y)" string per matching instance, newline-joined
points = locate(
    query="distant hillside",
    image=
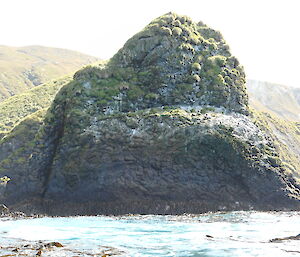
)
(16, 108)
(22, 68)
(277, 99)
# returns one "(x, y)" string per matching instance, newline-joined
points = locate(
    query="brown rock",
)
(280, 239)
(52, 244)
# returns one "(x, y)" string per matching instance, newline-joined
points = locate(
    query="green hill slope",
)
(22, 68)
(16, 108)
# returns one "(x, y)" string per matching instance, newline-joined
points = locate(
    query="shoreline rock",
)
(40, 248)
(162, 128)
(280, 239)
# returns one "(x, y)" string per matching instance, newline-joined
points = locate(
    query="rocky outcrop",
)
(173, 61)
(157, 161)
(169, 162)
(152, 131)
(280, 239)
(42, 248)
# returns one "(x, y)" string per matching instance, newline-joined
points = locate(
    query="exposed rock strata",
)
(163, 162)
(138, 135)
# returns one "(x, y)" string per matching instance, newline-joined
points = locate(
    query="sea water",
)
(213, 234)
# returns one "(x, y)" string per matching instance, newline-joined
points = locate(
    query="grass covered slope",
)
(16, 108)
(22, 68)
(172, 61)
(286, 138)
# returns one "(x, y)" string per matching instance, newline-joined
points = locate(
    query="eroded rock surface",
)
(163, 127)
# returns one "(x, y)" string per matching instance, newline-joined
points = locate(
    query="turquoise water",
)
(219, 234)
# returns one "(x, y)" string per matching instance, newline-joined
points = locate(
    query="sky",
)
(262, 34)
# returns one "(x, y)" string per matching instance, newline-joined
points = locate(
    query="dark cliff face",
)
(167, 162)
(153, 161)
(161, 128)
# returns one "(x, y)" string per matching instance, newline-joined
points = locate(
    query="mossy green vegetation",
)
(286, 138)
(173, 61)
(16, 108)
(29, 125)
(19, 144)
